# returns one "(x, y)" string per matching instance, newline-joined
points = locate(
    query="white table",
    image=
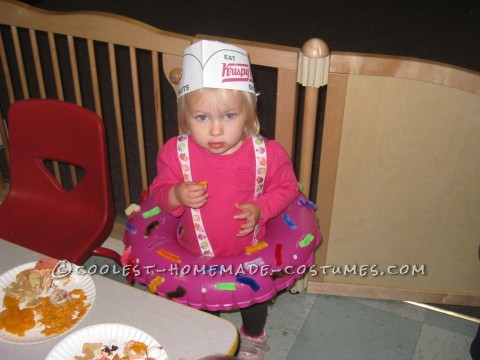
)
(184, 332)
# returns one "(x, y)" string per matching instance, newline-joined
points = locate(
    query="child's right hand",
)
(188, 194)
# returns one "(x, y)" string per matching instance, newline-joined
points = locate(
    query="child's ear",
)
(183, 127)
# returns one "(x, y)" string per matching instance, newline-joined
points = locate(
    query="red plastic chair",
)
(38, 212)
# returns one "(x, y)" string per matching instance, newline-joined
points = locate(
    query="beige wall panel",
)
(408, 185)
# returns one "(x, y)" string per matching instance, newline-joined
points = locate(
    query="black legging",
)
(254, 318)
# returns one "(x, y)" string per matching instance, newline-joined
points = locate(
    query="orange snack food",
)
(57, 319)
(15, 320)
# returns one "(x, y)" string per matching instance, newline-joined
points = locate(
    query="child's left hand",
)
(251, 213)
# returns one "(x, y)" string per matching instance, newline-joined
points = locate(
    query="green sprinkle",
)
(226, 286)
(151, 212)
(300, 186)
(306, 240)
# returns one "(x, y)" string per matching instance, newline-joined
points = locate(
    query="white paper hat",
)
(212, 64)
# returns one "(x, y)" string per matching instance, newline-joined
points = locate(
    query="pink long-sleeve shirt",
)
(231, 180)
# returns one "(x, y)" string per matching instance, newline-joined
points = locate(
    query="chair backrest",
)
(47, 136)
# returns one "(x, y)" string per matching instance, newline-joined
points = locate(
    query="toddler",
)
(223, 178)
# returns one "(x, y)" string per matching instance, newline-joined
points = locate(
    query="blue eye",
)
(201, 117)
(230, 116)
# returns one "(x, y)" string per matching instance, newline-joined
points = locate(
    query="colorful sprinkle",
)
(257, 247)
(248, 281)
(152, 286)
(306, 240)
(257, 262)
(131, 209)
(277, 274)
(132, 229)
(169, 256)
(307, 203)
(288, 220)
(144, 194)
(278, 254)
(152, 212)
(178, 292)
(203, 182)
(226, 286)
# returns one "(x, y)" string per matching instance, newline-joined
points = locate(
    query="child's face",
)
(216, 123)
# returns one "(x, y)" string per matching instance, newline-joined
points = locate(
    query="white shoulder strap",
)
(184, 157)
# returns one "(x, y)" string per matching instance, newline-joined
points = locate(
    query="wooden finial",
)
(313, 63)
(175, 75)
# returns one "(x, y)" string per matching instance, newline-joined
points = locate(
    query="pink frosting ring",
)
(220, 283)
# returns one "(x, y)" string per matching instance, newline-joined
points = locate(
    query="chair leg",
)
(108, 253)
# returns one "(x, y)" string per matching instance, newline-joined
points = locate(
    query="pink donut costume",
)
(214, 283)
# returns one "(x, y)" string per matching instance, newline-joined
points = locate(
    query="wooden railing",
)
(124, 70)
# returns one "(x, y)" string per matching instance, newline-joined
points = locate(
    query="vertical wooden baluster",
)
(56, 66)
(6, 72)
(118, 120)
(74, 68)
(78, 92)
(138, 117)
(38, 64)
(94, 75)
(11, 98)
(157, 98)
(58, 86)
(21, 66)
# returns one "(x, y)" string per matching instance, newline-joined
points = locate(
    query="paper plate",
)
(77, 281)
(104, 335)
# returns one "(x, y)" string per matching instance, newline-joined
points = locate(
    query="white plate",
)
(105, 334)
(34, 335)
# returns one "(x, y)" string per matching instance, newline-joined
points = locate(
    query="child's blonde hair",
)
(252, 127)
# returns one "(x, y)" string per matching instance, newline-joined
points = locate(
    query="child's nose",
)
(216, 128)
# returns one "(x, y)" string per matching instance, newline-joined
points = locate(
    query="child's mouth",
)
(216, 145)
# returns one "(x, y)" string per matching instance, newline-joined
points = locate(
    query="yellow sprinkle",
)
(203, 182)
(254, 248)
(154, 283)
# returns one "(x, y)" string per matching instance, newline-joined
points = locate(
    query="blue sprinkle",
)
(289, 222)
(248, 281)
(307, 203)
(131, 228)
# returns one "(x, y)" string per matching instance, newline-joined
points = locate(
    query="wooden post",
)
(313, 67)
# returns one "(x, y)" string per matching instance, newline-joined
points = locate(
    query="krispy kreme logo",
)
(233, 72)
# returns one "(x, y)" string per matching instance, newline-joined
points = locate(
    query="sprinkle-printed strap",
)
(260, 173)
(184, 157)
(260, 164)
